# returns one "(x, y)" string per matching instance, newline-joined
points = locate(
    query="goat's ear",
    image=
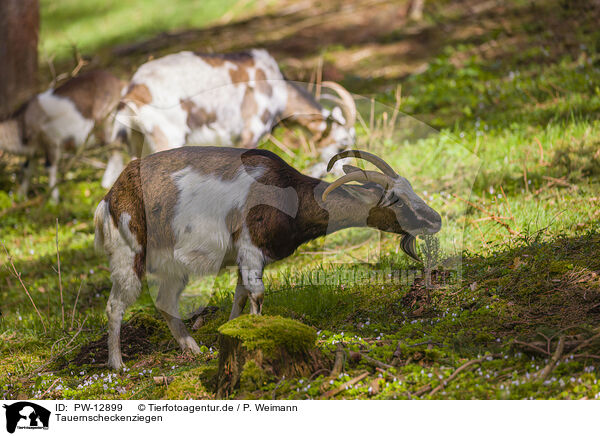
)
(350, 169)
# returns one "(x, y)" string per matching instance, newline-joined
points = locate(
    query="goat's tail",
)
(102, 226)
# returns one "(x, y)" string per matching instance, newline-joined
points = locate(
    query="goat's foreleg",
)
(114, 167)
(250, 274)
(52, 160)
(251, 281)
(28, 171)
(239, 299)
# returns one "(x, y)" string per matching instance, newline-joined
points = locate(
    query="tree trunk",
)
(19, 26)
(254, 350)
(416, 10)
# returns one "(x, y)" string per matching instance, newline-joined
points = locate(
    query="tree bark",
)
(416, 10)
(19, 27)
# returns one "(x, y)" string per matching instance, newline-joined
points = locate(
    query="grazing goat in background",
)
(224, 99)
(62, 119)
(194, 210)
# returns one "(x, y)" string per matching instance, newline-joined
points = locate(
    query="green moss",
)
(270, 333)
(253, 376)
(191, 384)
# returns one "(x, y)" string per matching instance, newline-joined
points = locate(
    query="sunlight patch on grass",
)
(95, 24)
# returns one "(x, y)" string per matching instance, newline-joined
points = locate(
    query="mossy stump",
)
(256, 349)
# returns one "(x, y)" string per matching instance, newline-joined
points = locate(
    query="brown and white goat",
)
(224, 99)
(61, 119)
(194, 210)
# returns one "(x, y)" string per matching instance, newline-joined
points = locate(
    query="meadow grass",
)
(92, 25)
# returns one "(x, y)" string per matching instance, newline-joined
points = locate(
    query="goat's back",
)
(204, 99)
(94, 93)
(188, 205)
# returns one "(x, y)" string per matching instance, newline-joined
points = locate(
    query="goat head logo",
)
(26, 415)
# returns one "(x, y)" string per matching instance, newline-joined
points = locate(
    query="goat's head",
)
(398, 208)
(339, 121)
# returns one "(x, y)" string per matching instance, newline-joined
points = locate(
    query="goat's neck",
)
(346, 206)
(302, 108)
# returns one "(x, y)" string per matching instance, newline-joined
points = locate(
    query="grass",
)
(513, 167)
(96, 24)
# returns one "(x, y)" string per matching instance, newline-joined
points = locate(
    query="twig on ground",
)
(303, 142)
(484, 242)
(48, 390)
(561, 182)
(75, 305)
(317, 372)
(33, 202)
(81, 62)
(62, 303)
(525, 180)
(545, 372)
(586, 343)
(281, 145)
(539, 143)
(65, 351)
(512, 217)
(585, 356)
(422, 391)
(319, 77)
(376, 362)
(532, 346)
(18, 276)
(338, 363)
(464, 366)
(418, 344)
(491, 215)
(344, 386)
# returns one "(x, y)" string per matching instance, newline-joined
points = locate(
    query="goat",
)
(60, 119)
(194, 210)
(224, 99)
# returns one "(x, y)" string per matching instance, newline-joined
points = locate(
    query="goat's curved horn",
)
(370, 157)
(347, 100)
(359, 176)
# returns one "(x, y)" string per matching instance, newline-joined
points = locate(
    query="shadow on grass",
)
(79, 268)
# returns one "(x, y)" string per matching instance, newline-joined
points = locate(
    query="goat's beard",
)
(408, 244)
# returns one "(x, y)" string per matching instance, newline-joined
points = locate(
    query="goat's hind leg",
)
(123, 294)
(167, 304)
(125, 290)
